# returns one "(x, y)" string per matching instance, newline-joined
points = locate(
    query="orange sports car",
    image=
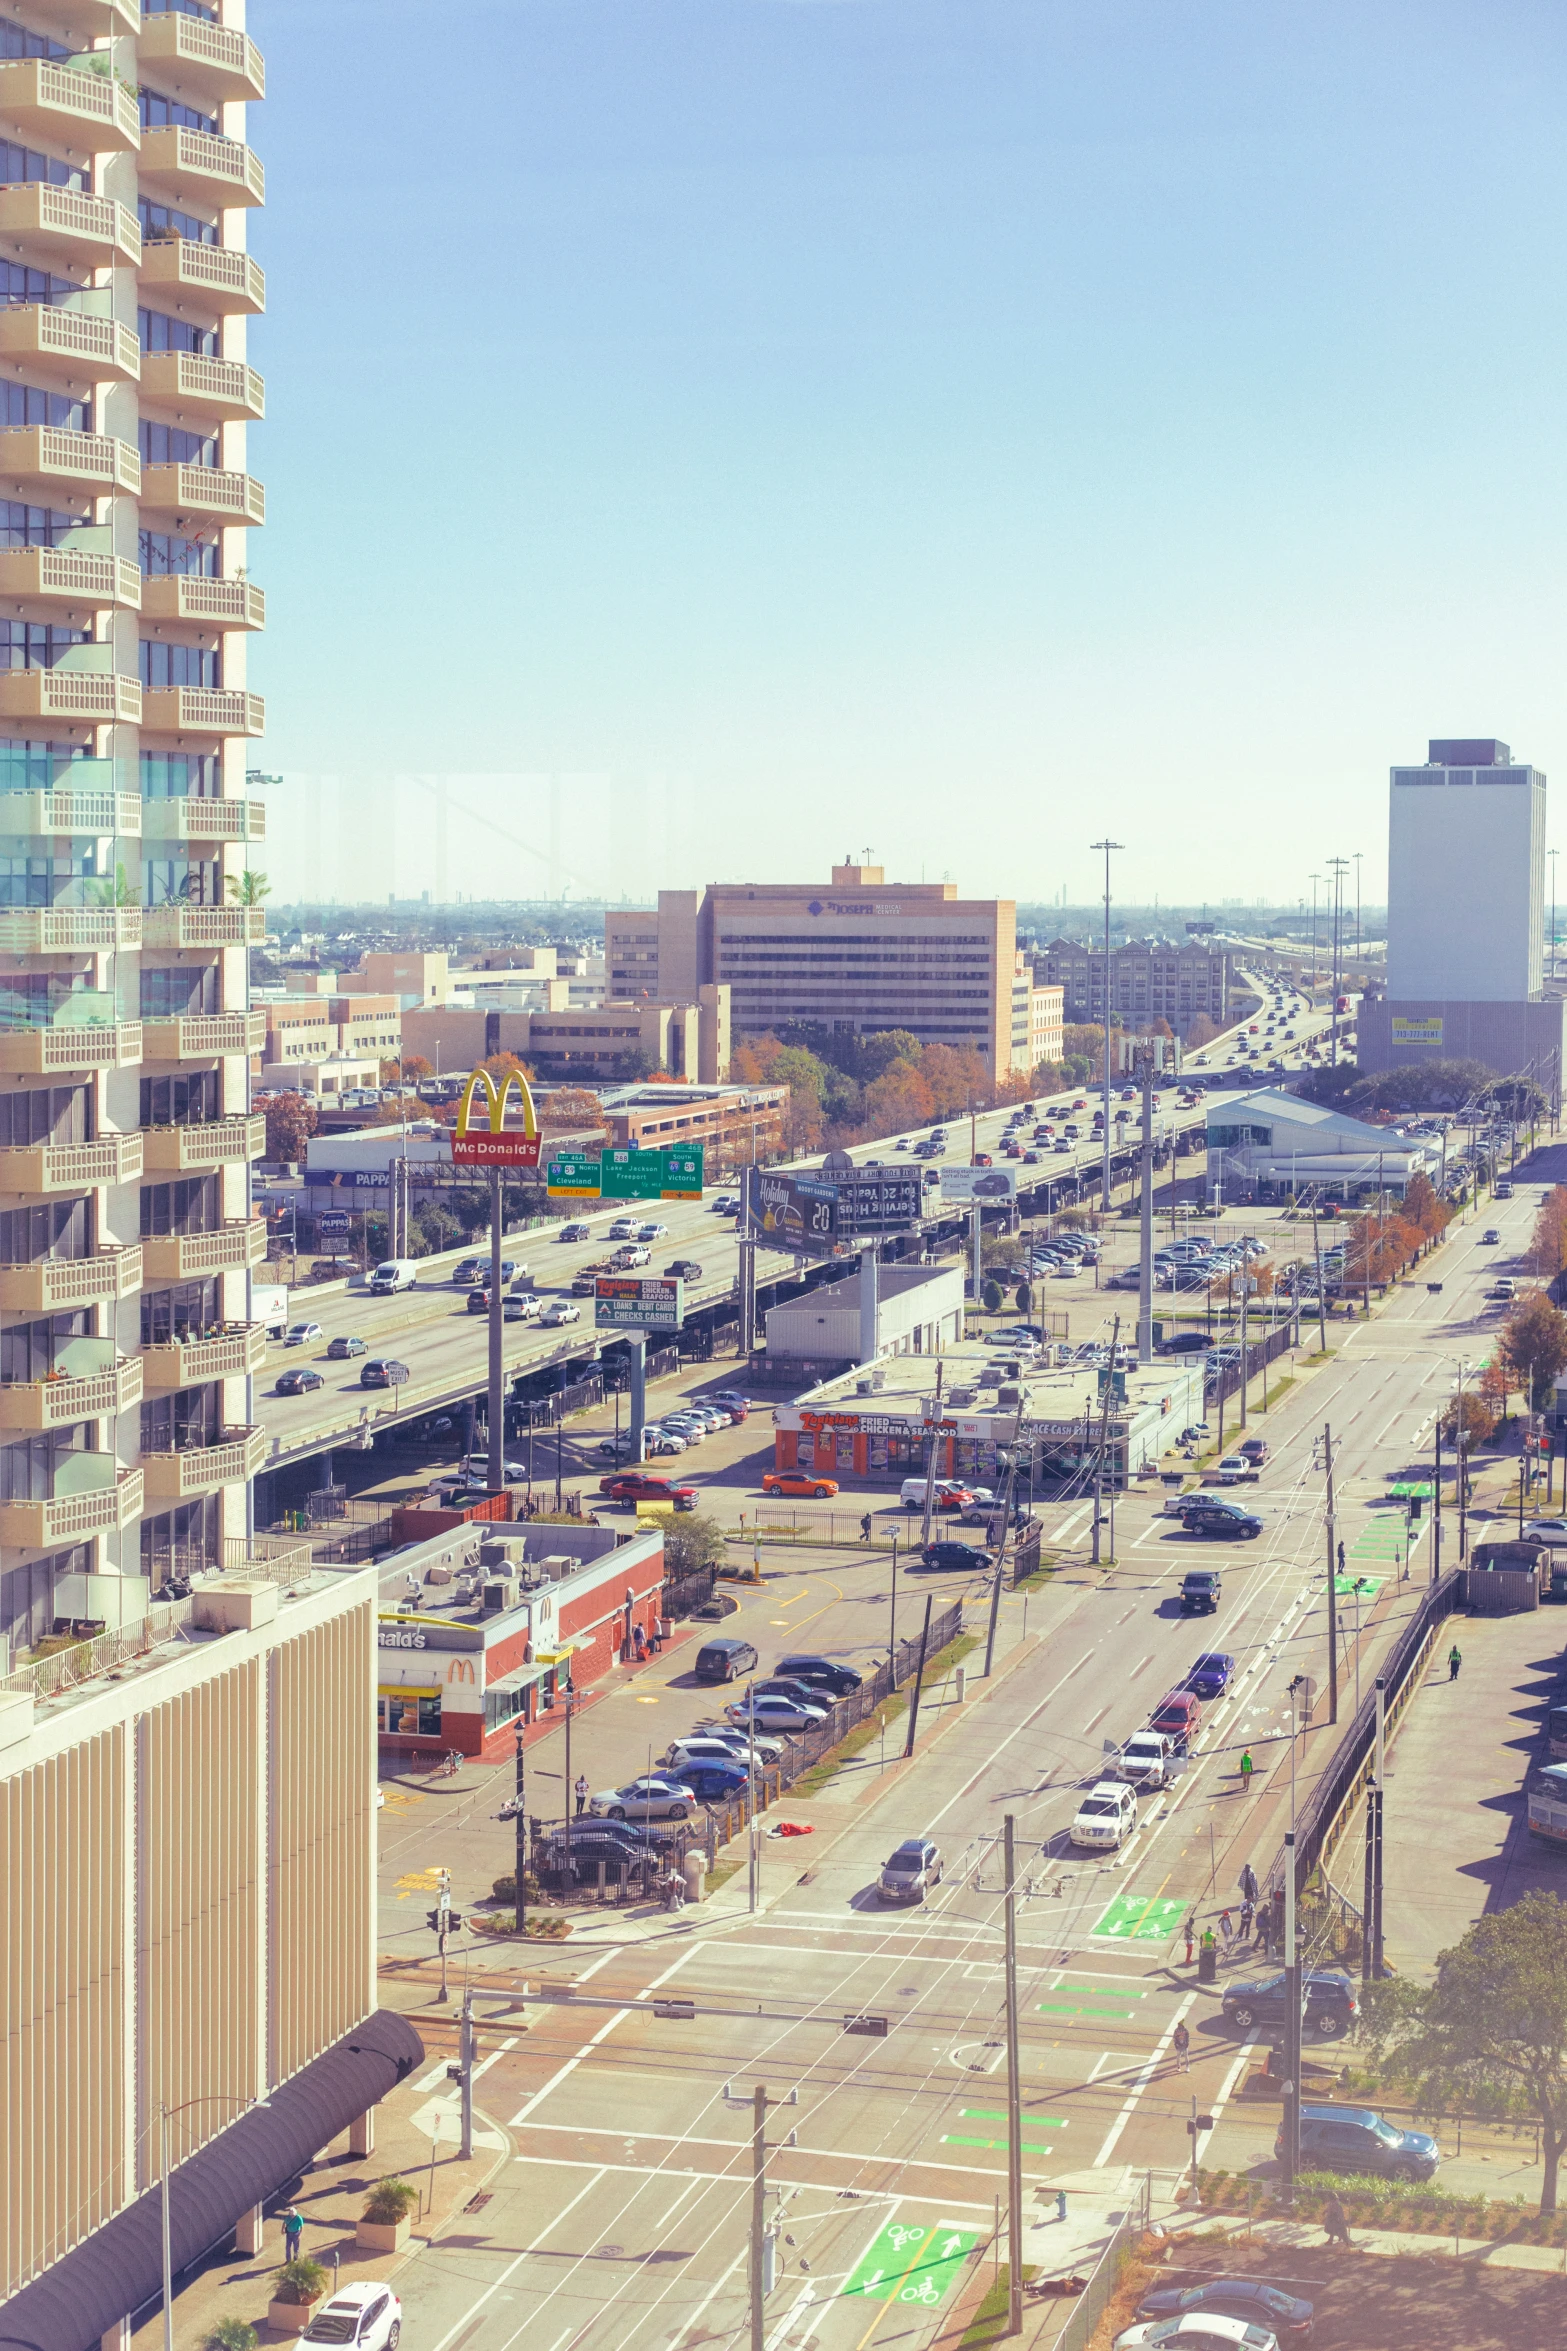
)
(798, 1481)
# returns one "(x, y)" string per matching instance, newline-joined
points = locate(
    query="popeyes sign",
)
(495, 1144)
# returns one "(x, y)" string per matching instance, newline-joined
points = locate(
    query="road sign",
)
(336, 1224)
(674, 1172)
(572, 1175)
(624, 1302)
(1140, 1918)
(913, 2262)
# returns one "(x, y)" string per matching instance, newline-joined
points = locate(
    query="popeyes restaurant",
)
(499, 1625)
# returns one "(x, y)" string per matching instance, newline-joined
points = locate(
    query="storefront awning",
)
(119, 2268)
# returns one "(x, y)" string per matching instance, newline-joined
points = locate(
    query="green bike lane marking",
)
(1140, 1919)
(912, 2262)
(1080, 2008)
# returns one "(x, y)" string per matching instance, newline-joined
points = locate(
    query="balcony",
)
(91, 1383)
(58, 575)
(68, 930)
(185, 1257)
(37, 1170)
(186, 1150)
(92, 697)
(208, 63)
(203, 1036)
(199, 492)
(235, 1352)
(203, 710)
(240, 1454)
(220, 279)
(200, 926)
(72, 1041)
(83, 815)
(72, 106)
(219, 604)
(223, 389)
(57, 229)
(99, 1498)
(52, 1283)
(68, 346)
(47, 457)
(204, 820)
(184, 165)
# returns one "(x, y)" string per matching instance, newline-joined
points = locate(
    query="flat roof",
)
(972, 1375)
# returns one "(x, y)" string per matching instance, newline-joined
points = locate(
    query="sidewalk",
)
(1391, 2243)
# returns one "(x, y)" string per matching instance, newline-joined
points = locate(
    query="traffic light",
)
(433, 1920)
(454, 1922)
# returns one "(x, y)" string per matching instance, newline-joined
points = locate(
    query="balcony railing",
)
(184, 1257)
(92, 695)
(32, 1169)
(50, 1283)
(66, 231)
(222, 604)
(80, 22)
(224, 388)
(203, 1036)
(50, 456)
(180, 164)
(69, 1044)
(82, 814)
(35, 1406)
(69, 930)
(213, 61)
(198, 1469)
(194, 490)
(184, 1149)
(202, 710)
(236, 1351)
(106, 1500)
(58, 575)
(222, 279)
(64, 102)
(201, 926)
(204, 820)
(68, 343)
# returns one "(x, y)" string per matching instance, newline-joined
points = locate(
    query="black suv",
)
(1201, 1591)
(822, 1673)
(1328, 2003)
(1352, 2138)
(1221, 1520)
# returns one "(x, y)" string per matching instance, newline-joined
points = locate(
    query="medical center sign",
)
(495, 1144)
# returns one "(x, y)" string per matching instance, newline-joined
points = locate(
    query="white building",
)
(1275, 1142)
(1466, 876)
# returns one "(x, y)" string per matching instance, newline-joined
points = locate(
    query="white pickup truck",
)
(1148, 1760)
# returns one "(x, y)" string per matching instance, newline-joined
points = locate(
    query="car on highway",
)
(1210, 1674)
(562, 1311)
(1106, 1816)
(1215, 1520)
(300, 1334)
(640, 1485)
(575, 1232)
(1256, 2300)
(526, 1309)
(369, 2316)
(644, 1799)
(1490, 1234)
(1202, 1589)
(343, 1350)
(1255, 1450)
(298, 1383)
(382, 1371)
(652, 1232)
(629, 1254)
(826, 1673)
(624, 1228)
(955, 1557)
(685, 1269)
(799, 1482)
(776, 1714)
(479, 1301)
(1327, 2003)
(910, 1871)
(726, 1204)
(1357, 2139)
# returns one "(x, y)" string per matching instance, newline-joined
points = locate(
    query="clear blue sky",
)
(720, 434)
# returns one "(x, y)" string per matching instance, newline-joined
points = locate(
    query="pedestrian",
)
(1248, 1913)
(581, 1793)
(640, 1638)
(1247, 1768)
(1181, 2043)
(865, 1528)
(1210, 1941)
(1247, 1881)
(1454, 1661)
(1264, 1928)
(1335, 2221)
(293, 2231)
(1191, 1936)
(1226, 1929)
(660, 1632)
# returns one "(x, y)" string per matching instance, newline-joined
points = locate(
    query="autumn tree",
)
(572, 1106)
(1425, 1209)
(416, 1068)
(291, 1121)
(1548, 1250)
(1534, 1346)
(1472, 1412)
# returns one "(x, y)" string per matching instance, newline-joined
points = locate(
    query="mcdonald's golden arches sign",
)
(495, 1144)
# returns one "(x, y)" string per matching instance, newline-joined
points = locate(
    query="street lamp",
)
(1104, 1179)
(166, 2115)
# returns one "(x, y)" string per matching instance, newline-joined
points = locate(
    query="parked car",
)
(298, 1383)
(1210, 1675)
(644, 1799)
(910, 1871)
(300, 1334)
(344, 1350)
(713, 1780)
(1178, 1715)
(776, 1714)
(718, 1746)
(1147, 1760)
(825, 1672)
(737, 1406)
(382, 1372)
(1201, 1591)
(369, 2316)
(1356, 2139)
(640, 1485)
(1256, 2301)
(1106, 1816)
(562, 1311)
(792, 1687)
(725, 1661)
(955, 1556)
(799, 1482)
(1327, 2004)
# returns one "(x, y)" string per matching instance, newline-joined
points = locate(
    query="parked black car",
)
(1328, 2003)
(1288, 2316)
(824, 1672)
(1354, 2139)
(955, 1555)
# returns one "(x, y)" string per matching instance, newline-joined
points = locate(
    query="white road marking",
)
(1141, 2083)
(1223, 2099)
(459, 2323)
(494, 2058)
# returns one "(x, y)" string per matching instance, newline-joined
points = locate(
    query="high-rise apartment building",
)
(860, 955)
(1150, 979)
(126, 605)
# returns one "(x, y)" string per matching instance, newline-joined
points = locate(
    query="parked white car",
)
(1106, 1817)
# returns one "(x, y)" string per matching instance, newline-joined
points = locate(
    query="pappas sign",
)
(336, 1223)
(624, 1303)
(495, 1144)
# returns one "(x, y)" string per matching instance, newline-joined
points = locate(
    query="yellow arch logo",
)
(495, 1144)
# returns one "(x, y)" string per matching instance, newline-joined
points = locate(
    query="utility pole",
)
(1436, 1509)
(1327, 1466)
(758, 2211)
(1337, 866)
(1014, 2097)
(1291, 2100)
(1245, 1329)
(443, 1911)
(930, 1465)
(1322, 1309)
(1108, 1377)
(1104, 1179)
(465, 2075)
(919, 1681)
(520, 1863)
(1357, 905)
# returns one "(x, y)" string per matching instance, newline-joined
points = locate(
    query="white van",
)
(396, 1273)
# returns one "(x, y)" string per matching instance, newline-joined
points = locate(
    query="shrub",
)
(990, 1297)
(300, 2281)
(232, 2334)
(390, 2201)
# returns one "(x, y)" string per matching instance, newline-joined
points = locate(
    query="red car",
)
(799, 1482)
(981, 1159)
(635, 1485)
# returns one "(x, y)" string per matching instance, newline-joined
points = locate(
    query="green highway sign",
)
(1140, 1918)
(914, 2262)
(572, 1175)
(674, 1172)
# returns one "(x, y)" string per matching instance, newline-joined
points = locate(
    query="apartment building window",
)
(27, 1596)
(51, 1228)
(27, 1470)
(159, 332)
(22, 404)
(30, 1350)
(46, 1114)
(192, 1204)
(24, 287)
(180, 1313)
(37, 767)
(36, 999)
(17, 41)
(182, 1541)
(22, 525)
(168, 444)
(176, 881)
(162, 114)
(196, 8)
(191, 1416)
(163, 555)
(36, 644)
(193, 1098)
(54, 876)
(18, 163)
(160, 224)
(180, 775)
(173, 991)
(165, 664)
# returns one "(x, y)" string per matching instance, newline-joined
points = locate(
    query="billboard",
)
(1413, 1035)
(336, 1224)
(495, 1144)
(962, 1186)
(807, 1212)
(878, 1200)
(627, 1302)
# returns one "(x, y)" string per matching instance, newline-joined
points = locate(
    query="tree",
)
(391, 1071)
(1490, 2033)
(692, 1541)
(1420, 1085)
(1425, 1209)
(1534, 1346)
(1471, 1412)
(291, 1121)
(1023, 1298)
(502, 1066)
(991, 1297)
(415, 1068)
(898, 1099)
(1548, 1251)
(249, 889)
(573, 1106)
(1200, 1030)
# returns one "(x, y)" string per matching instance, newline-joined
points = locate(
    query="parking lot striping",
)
(458, 2324)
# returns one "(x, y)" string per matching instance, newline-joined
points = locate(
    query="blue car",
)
(713, 1783)
(1210, 1676)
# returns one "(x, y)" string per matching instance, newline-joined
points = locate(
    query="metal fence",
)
(1105, 2275)
(683, 1595)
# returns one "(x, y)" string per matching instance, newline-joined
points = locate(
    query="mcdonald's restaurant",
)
(497, 1624)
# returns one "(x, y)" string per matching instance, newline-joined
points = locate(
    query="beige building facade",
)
(596, 1044)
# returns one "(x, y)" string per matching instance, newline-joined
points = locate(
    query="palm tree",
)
(249, 889)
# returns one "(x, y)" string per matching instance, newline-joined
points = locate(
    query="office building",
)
(126, 505)
(1046, 1019)
(623, 1038)
(860, 955)
(1150, 979)
(187, 1874)
(1466, 918)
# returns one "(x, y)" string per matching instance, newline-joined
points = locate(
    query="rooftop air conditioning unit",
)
(961, 1398)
